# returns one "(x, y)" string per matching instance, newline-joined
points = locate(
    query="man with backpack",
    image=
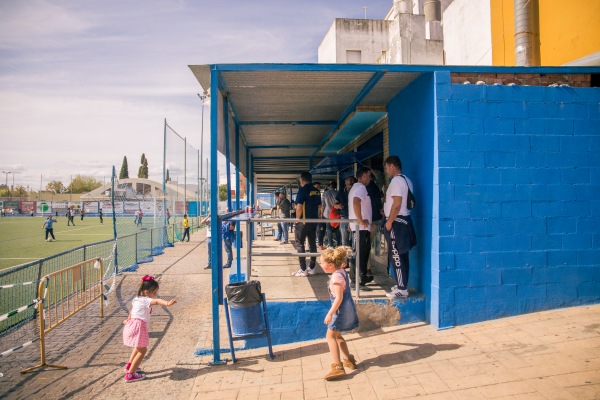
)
(398, 228)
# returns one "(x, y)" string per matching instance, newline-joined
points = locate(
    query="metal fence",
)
(18, 285)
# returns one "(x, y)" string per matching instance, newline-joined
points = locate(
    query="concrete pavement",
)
(546, 355)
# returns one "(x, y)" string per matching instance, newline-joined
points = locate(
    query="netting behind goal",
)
(182, 175)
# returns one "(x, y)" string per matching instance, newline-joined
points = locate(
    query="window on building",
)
(353, 56)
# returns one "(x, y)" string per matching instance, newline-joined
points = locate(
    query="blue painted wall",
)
(519, 204)
(411, 137)
(300, 321)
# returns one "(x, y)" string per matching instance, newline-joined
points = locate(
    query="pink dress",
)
(135, 333)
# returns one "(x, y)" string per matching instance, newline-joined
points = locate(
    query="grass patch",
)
(22, 239)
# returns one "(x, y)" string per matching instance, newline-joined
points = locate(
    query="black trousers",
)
(400, 240)
(321, 234)
(364, 240)
(301, 233)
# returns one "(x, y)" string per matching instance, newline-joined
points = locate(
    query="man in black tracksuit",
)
(308, 205)
(398, 228)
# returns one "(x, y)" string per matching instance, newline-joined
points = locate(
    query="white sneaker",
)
(311, 271)
(300, 273)
(397, 293)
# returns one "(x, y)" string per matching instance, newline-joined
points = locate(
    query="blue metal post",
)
(237, 200)
(215, 224)
(227, 152)
(114, 217)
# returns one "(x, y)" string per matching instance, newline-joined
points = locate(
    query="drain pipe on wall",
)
(527, 33)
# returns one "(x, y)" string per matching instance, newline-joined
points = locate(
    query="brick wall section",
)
(573, 80)
(519, 205)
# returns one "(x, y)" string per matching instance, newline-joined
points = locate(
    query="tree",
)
(223, 192)
(167, 178)
(56, 187)
(83, 184)
(124, 174)
(143, 170)
(20, 191)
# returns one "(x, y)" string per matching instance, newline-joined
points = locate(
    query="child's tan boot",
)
(350, 362)
(337, 370)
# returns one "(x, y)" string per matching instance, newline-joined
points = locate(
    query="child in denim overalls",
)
(342, 314)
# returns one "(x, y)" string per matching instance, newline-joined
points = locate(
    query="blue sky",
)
(84, 83)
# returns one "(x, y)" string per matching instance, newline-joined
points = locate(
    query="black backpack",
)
(411, 202)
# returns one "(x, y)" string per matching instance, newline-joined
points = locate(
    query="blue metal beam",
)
(311, 123)
(285, 146)
(350, 109)
(404, 68)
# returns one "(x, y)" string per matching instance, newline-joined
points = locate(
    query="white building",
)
(403, 37)
(467, 42)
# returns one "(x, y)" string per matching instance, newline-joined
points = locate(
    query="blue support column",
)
(238, 239)
(227, 152)
(215, 223)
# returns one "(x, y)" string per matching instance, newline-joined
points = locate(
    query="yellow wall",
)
(568, 30)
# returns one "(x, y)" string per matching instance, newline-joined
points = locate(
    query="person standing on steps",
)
(284, 208)
(359, 207)
(308, 206)
(398, 227)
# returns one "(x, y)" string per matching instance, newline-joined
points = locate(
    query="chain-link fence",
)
(18, 285)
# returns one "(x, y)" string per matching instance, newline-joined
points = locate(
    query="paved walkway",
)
(547, 355)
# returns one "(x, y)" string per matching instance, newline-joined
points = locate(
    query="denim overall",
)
(345, 317)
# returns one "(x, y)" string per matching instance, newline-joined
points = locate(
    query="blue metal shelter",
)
(497, 165)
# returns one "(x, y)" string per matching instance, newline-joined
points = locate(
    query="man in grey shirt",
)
(328, 200)
(284, 208)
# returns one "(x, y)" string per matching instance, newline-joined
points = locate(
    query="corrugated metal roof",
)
(291, 116)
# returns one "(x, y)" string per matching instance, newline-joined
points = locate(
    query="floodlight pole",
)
(202, 99)
(6, 178)
(184, 176)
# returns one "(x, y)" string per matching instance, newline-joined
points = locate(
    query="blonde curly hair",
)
(336, 256)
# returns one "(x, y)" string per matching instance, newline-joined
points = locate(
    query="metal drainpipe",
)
(527, 33)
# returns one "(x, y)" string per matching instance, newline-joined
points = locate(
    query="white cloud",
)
(84, 83)
(37, 24)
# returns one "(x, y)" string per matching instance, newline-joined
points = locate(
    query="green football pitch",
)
(22, 239)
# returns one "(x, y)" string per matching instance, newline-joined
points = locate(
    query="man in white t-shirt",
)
(359, 207)
(398, 229)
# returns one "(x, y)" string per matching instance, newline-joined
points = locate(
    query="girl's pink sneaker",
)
(134, 377)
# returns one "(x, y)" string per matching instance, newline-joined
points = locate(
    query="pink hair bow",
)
(148, 278)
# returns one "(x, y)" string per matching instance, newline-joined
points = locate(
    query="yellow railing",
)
(62, 294)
